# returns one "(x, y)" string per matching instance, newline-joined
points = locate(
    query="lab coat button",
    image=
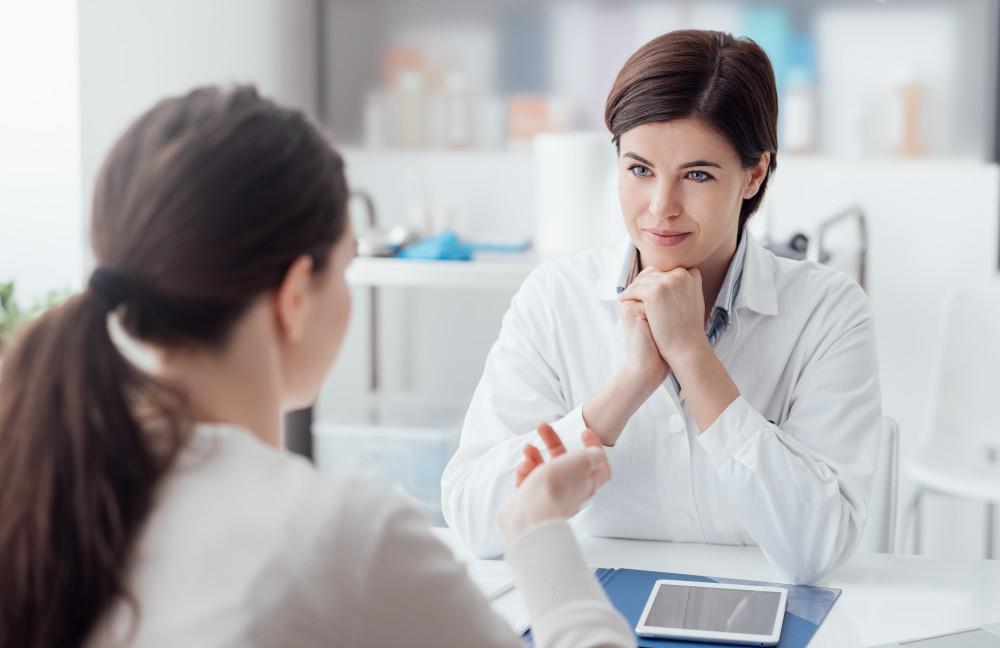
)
(676, 423)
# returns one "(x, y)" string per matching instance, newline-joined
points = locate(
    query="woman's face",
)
(325, 326)
(681, 185)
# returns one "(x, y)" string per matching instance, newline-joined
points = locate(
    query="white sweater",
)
(250, 546)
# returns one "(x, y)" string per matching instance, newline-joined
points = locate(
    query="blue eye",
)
(699, 176)
(640, 171)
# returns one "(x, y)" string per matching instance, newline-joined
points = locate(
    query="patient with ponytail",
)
(150, 503)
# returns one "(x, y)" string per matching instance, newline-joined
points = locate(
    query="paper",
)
(492, 577)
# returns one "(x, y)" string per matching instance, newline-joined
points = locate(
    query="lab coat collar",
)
(726, 300)
(758, 292)
(757, 289)
(617, 258)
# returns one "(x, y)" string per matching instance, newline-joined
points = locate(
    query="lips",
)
(665, 238)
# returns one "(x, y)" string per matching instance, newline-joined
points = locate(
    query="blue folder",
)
(629, 590)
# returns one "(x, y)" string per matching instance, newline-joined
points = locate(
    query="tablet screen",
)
(718, 610)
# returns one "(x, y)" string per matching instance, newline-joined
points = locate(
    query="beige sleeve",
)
(418, 594)
(567, 606)
(413, 592)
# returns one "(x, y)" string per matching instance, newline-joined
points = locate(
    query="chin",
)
(662, 260)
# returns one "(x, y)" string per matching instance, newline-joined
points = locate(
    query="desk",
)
(885, 597)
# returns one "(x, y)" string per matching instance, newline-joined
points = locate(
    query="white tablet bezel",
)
(662, 632)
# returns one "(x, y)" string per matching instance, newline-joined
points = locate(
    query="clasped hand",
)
(664, 319)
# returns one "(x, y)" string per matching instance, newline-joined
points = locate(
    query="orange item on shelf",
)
(527, 116)
(399, 60)
(911, 99)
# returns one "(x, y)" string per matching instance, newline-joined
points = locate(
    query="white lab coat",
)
(788, 466)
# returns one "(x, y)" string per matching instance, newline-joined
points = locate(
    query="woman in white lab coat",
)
(153, 507)
(737, 393)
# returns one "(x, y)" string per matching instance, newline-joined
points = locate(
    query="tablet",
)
(734, 614)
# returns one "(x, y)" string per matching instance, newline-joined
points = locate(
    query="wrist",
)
(639, 381)
(691, 355)
(609, 410)
(515, 519)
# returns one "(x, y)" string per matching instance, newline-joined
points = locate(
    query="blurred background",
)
(480, 123)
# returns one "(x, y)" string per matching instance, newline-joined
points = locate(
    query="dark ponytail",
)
(201, 207)
(77, 473)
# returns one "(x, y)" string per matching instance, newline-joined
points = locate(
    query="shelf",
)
(838, 91)
(486, 272)
(518, 149)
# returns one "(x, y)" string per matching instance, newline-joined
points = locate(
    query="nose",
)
(665, 202)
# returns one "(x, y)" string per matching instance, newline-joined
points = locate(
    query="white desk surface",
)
(885, 597)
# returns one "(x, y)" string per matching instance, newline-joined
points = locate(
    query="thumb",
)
(573, 480)
(598, 457)
(590, 438)
(600, 469)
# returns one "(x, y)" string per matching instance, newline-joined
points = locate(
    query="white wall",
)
(40, 225)
(73, 75)
(133, 52)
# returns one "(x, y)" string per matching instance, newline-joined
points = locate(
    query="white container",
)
(575, 192)
(407, 460)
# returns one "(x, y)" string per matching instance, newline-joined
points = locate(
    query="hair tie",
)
(110, 286)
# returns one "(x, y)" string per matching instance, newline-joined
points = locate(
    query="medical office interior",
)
(473, 137)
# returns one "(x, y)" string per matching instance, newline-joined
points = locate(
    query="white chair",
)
(880, 528)
(960, 459)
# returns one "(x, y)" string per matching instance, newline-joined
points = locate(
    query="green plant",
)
(12, 315)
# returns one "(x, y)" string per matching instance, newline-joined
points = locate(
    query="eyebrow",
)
(686, 165)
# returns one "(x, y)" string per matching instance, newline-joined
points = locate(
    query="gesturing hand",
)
(556, 488)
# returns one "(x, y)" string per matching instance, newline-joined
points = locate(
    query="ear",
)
(756, 176)
(291, 301)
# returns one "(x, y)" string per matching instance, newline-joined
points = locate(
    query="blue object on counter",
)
(446, 246)
(512, 248)
(442, 247)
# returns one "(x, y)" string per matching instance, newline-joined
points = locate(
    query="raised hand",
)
(557, 488)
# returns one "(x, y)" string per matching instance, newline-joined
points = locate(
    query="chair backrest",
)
(967, 382)
(880, 528)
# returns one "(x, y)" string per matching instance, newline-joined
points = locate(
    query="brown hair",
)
(725, 82)
(200, 207)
